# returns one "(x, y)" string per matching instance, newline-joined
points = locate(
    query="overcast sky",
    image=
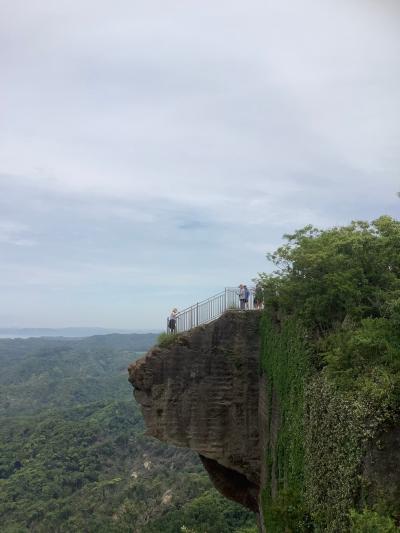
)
(152, 152)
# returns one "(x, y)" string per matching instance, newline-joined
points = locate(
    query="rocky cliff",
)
(274, 432)
(202, 392)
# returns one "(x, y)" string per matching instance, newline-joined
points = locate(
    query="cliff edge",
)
(202, 392)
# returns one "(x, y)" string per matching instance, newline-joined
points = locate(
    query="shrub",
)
(371, 522)
(165, 340)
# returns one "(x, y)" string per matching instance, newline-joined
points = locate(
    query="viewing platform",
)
(210, 309)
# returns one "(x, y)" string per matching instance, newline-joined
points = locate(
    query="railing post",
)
(197, 314)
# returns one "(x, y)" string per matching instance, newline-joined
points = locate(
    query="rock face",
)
(202, 393)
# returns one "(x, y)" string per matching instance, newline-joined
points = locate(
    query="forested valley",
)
(74, 456)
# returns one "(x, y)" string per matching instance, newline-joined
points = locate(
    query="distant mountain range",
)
(66, 332)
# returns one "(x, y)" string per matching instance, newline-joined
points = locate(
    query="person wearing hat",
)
(172, 320)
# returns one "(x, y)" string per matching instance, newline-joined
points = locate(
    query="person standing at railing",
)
(172, 320)
(246, 296)
(258, 296)
(242, 297)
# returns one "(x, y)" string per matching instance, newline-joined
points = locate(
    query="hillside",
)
(73, 455)
(41, 373)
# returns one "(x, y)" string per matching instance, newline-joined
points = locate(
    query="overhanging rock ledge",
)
(202, 393)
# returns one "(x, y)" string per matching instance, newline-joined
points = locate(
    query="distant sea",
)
(2, 336)
(26, 333)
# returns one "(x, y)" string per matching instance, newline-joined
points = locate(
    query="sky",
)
(153, 152)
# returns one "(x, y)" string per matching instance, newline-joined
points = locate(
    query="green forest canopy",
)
(73, 455)
(343, 284)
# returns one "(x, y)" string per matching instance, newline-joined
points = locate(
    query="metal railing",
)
(210, 309)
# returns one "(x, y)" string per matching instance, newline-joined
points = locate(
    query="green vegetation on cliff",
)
(331, 352)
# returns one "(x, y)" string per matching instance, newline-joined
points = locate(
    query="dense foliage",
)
(73, 455)
(332, 352)
(285, 358)
(41, 373)
(327, 276)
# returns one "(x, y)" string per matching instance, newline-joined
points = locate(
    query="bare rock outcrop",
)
(202, 392)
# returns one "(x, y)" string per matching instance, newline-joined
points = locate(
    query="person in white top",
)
(172, 320)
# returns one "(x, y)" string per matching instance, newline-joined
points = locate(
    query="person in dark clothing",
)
(258, 296)
(242, 297)
(172, 320)
(246, 296)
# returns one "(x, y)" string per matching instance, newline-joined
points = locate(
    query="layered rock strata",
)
(202, 392)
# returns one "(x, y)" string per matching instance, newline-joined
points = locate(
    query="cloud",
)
(166, 142)
(15, 234)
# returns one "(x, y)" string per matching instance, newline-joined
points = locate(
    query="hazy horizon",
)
(69, 332)
(153, 153)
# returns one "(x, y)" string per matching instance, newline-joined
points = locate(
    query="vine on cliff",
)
(338, 427)
(285, 361)
(332, 358)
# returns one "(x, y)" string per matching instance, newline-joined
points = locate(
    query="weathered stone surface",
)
(203, 393)
(232, 484)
